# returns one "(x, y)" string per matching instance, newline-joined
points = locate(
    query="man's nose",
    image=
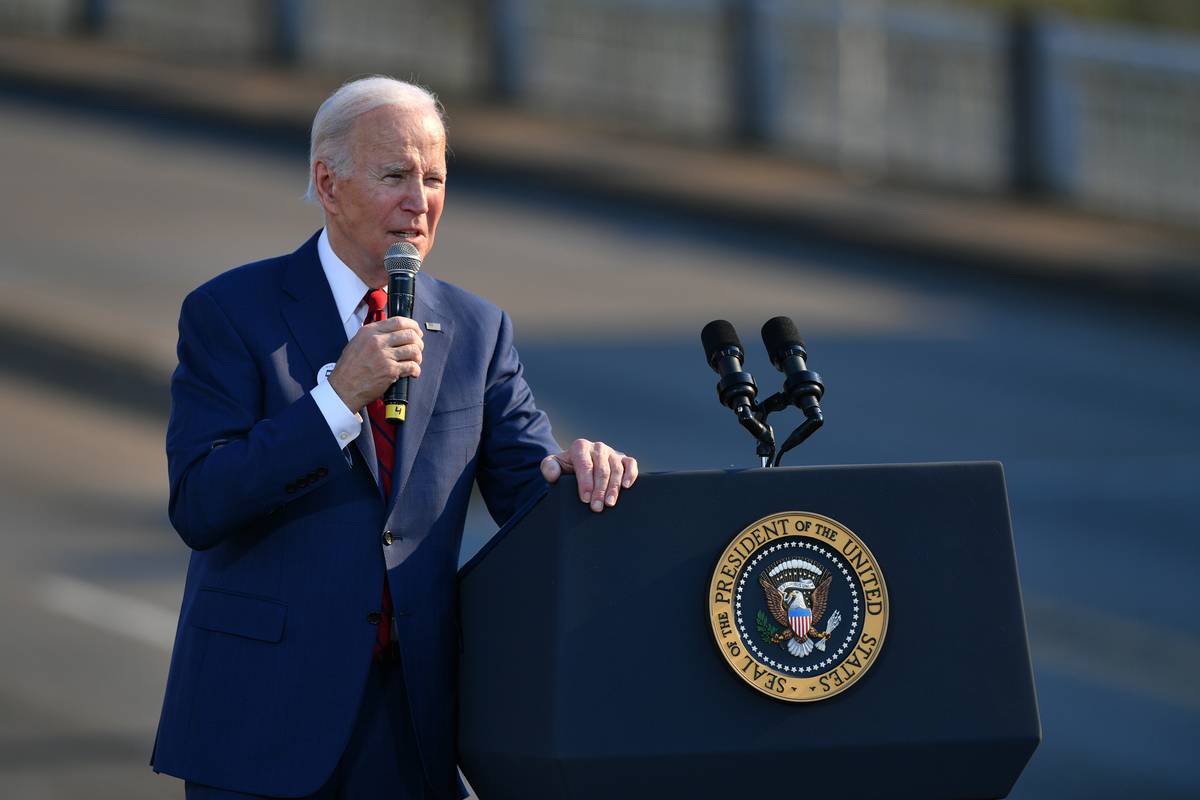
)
(415, 199)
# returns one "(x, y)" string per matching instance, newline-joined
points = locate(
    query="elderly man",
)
(317, 641)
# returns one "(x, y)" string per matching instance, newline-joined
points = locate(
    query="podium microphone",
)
(736, 388)
(402, 263)
(723, 350)
(802, 386)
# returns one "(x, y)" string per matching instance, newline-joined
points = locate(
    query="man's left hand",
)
(601, 471)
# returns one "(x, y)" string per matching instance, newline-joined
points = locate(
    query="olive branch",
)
(766, 630)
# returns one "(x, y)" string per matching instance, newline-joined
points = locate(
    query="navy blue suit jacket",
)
(274, 644)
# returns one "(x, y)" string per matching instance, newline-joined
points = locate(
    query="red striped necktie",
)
(384, 434)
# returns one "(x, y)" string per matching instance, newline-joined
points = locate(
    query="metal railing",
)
(1102, 117)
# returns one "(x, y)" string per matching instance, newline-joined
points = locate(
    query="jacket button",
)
(290, 488)
(387, 537)
(322, 472)
(374, 618)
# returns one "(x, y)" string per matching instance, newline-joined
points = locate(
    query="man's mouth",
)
(406, 233)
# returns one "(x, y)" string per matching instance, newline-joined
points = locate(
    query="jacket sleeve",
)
(516, 433)
(229, 464)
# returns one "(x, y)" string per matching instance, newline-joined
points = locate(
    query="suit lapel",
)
(312, 316)
(310, 311)
(422, 392)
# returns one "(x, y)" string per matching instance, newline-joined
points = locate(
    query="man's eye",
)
(434, 180)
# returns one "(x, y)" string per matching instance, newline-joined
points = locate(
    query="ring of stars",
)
(847, 575)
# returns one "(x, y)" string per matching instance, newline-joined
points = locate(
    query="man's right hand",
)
(378, 354)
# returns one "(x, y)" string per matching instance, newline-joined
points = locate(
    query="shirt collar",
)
(348, 289)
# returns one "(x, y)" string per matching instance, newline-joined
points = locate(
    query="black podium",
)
(590, 670)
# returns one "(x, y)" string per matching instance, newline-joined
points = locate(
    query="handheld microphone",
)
(723, 351)
(802, 386)
(402, 263)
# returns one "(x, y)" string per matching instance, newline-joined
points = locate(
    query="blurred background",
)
(983, 216)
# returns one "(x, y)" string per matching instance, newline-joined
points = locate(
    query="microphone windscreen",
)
(778, 334)
(402, 256)
(716, 336)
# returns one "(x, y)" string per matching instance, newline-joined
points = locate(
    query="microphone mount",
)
(737, 390)
(766, 451)
(752, 416)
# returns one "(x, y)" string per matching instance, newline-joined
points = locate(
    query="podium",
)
(591, 667)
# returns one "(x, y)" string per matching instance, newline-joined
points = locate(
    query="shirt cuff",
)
(343, 423)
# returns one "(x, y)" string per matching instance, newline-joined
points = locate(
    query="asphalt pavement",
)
(110, 218)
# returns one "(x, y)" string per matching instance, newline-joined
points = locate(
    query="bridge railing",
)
(1098, 116)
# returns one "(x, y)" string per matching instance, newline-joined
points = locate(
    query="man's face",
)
(394, 192)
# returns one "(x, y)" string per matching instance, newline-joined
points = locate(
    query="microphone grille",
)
(402, 257)
(779, 333)
(716, 336)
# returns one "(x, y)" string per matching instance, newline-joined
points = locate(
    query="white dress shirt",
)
(348, 293)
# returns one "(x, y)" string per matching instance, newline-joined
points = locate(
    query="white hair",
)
(330, 140)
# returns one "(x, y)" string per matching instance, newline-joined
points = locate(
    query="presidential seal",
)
(798, 606)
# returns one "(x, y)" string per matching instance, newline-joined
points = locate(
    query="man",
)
(317, 642)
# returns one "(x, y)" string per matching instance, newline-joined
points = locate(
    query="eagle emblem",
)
(797, 592)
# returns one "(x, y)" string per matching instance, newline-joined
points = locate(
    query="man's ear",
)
(326, 185)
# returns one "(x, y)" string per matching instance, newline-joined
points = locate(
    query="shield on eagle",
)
(799, 619)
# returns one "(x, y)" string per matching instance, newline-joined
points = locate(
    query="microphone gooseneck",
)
(402, 263)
